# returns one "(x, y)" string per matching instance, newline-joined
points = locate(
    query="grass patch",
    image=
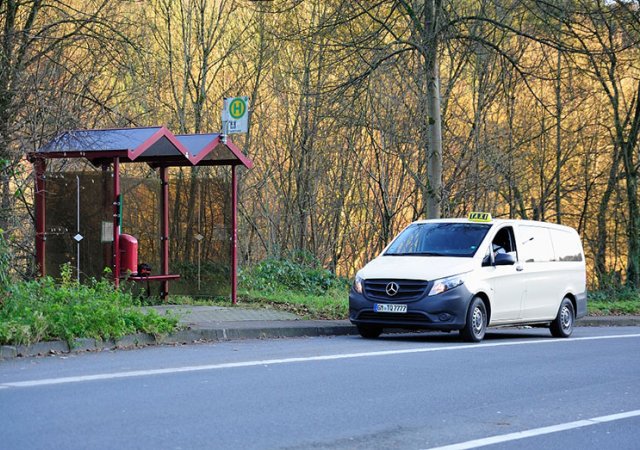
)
(332, 305)
(621, 308)
(616, 302)
(298, 286)
(329, 306)
(44, 310)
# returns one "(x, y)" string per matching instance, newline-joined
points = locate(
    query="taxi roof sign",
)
(479, 217)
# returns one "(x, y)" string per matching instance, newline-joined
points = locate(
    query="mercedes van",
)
(470, 274)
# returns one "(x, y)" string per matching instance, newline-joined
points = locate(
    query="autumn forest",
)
(365, 115)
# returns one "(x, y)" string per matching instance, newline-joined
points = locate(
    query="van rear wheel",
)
(562, 326)
(369, 331)
(476, 325)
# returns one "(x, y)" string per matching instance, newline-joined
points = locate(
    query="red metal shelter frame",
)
(159, 148)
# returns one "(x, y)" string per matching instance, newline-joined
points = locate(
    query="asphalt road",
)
(516, 389)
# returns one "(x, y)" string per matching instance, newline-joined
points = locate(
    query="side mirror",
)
(505, 259)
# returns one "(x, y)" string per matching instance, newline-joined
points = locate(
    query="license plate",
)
(389, 308)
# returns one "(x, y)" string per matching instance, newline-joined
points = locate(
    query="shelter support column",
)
(40, 166)
(234, 235)
(117, 210)
(164, 254)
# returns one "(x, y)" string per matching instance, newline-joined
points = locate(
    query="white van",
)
(468, 274)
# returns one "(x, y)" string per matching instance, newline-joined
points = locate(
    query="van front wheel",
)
(562, 326)
(476, 325)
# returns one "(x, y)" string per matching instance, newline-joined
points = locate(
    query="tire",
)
(562, 325)
(476, 326)
(369, 331)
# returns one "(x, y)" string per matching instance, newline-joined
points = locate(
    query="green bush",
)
(298, 285)
(209, 271)
(614, 301)
(43, 310)
(273, 275)
(624, 294)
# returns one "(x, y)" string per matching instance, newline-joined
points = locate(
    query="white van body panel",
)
(506, 294)
(547, 281)
(417, 267)
(549, 267)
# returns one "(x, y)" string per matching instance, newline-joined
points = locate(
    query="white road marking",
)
(267, 362)
(538, 431)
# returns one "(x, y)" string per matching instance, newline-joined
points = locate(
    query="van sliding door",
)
(540, 275)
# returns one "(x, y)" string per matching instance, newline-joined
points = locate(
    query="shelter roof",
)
(156, 146)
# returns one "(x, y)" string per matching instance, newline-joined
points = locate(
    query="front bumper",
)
(446, 311)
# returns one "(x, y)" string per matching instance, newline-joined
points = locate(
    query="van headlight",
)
(358, 284)
(446, 284)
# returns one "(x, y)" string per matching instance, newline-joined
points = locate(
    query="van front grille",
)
(406, 289)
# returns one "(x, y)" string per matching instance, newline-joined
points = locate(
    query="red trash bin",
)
(128, 254)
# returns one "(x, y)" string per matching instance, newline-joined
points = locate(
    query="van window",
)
(439, 239)
(503, 242)
(536, 244)
(566, 245)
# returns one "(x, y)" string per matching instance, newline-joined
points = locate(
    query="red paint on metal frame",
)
(134, 154)
(161, 162)
(205, 151)
(234, 235)
(162, 132)
(40, 167)
(245, 161)
(165, 230)
(116, 221)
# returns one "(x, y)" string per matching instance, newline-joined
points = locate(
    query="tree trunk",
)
(600, 259)
(633, 229)
(631, 178)
(558, 140)
(434, 119)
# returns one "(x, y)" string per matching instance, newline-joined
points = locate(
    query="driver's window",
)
(504, 242)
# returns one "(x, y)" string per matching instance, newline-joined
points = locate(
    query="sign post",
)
(235, 119)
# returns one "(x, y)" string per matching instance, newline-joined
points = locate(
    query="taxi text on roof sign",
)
(479, 217)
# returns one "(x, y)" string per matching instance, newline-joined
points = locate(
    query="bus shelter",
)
(107, 149)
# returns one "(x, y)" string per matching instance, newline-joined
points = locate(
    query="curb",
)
(235, 331)
(608, 321)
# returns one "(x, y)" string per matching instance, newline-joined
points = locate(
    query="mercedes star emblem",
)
(392, 289)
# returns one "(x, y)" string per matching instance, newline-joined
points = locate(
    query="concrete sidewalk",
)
(237, 322)
(218, 323)
(267, 320)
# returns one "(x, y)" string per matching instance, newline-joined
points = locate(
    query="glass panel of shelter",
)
(200, 228)
(79, 223)
(78, 203)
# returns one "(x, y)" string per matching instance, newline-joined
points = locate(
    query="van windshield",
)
(439, 239)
